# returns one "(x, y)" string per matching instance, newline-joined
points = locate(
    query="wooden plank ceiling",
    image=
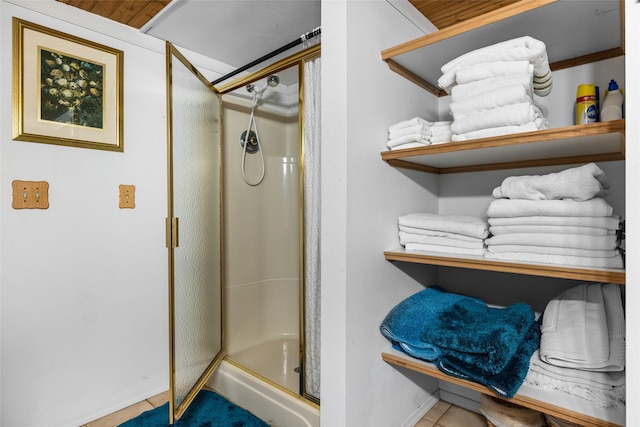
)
(134, 13)
(443, 13)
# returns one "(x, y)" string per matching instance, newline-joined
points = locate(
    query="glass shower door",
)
(193, 231)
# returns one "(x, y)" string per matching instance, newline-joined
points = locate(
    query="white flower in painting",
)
(62, 82)
(82, 83)
(58, 61)
(53, 91)
(67, 93)
(66, 68)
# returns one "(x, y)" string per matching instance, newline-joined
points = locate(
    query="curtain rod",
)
(299, 40)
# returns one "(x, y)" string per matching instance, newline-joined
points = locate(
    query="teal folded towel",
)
(478, 334)
(406, 321)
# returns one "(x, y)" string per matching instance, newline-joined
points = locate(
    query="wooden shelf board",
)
(545, 20)
(526, 396)
(603, 141)
(480, 263)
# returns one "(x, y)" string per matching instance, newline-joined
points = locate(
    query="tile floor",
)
(443, 414)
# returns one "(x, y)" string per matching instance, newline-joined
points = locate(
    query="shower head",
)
(273, 80)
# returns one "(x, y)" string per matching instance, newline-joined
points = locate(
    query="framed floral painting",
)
(66, 90)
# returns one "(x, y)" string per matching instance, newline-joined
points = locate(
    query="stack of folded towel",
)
(492, 89)
(582, 347)
(418, 132)
(452, 234)
(559, 218)
(465, 338)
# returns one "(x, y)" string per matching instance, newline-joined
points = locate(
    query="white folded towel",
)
(550, 250)
(487, 70)
(538, 124)
(467, 90)
(515, 207)
(410, 122)
(508, 115)
(601, 380)
(579, 183)
(564, 260)
(436, 233)
(444, 249)
(501, 97)
(583, 328)
(421, 129)
(409, 145)
(497, 230)
(406, 139)
(406, 238)
(522, 48)
(440, 139)
(579, 241)
(608, 222)
(460, 224)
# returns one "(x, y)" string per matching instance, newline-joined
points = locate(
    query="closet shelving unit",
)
(564, 27)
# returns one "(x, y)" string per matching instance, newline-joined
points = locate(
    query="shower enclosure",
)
(262, 228)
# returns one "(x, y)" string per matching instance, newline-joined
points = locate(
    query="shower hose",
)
(252, 123)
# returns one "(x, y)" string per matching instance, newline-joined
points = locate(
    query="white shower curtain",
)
(311, 148)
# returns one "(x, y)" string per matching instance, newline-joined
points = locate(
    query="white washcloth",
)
(487, 70)
(460, 224)
(518, 49)
(538, 124)
(515, 207)
(443, 241)
(406, 139)
(444, 249)
(583, 328)
(421, 129)
(501, 97)
(508, 115)
(608, 222)
(564, 260)
(579, 183)
(497, 230)
(580, 241)
(550, 250)
(410, 122)
(467, 90)
(410, 145)
(436, 233)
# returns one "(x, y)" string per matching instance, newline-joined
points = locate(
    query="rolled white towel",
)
(579, 183)
(572, 208)
(501, 97)
(578, 241)
(497, 230)
(460, 224)
(467, 90)
(443, 249)
(422, 129)
(550, 250)
(518, 49)
(565, 260)
(410, 145)
(608, 222)
(410, 122)
(406, 238)
(508, 115)
(407, 139)
(487, 70)
(540, 123)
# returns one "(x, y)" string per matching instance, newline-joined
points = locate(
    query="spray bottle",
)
(612, 105)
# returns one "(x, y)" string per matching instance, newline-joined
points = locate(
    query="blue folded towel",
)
(406, 321)
(477, 334)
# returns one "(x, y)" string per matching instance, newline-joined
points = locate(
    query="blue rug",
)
(208, 409)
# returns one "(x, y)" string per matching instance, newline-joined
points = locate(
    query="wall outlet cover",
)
(127, 196)
(30, 194)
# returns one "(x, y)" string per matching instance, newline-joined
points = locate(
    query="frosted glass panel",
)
(195, 157)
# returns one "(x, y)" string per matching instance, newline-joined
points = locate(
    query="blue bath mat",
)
(208, 409)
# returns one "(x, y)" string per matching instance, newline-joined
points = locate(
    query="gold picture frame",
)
(66, 90)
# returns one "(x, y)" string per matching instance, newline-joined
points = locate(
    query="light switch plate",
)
(30, 194)
(127, 196)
